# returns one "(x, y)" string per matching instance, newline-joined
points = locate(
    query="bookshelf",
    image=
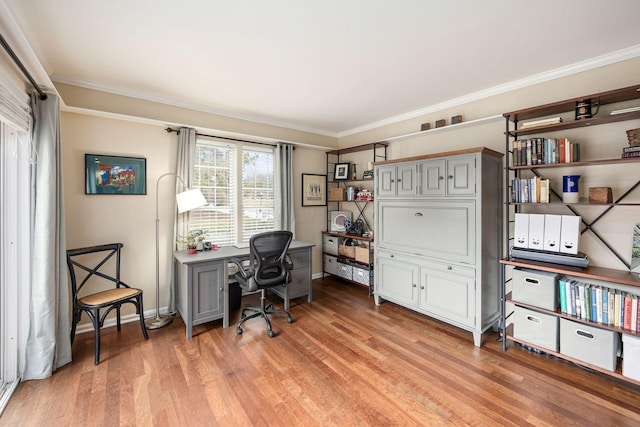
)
(620, 279)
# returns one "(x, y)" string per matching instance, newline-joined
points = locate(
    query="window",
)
(238, 182)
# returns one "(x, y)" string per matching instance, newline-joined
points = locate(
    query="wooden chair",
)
(109, 298)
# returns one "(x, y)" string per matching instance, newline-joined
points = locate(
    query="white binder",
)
(521, 231)
(536, 231)
(552, 224)
(570, 234)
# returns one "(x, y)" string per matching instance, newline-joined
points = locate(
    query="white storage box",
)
(331, 244)
(539, 329)
(539, 288)
(331, 264)
(631, 356)
(361, 275)
(595, 346)
(345, 271)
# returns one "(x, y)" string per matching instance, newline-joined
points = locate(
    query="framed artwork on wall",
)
(341, 171)
(105, 174)
(314, 190)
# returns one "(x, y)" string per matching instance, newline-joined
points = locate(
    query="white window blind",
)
(238, 182)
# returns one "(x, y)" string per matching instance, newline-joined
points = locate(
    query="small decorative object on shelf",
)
(583, 109)
(425, 126)
(633, 135)
(570, 189)
(456, 119)
(354, 175)
(600, 195)
(368, 174)
(441, 123)
(341, 171)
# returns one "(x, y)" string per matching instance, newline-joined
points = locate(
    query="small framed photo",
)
(115, 174)
(314, 190)
(341, 171)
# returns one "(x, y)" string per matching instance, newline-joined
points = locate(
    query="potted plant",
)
(193, 239)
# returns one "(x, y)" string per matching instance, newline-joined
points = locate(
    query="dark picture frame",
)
(314, 189)
(341, 171)
(104, 174)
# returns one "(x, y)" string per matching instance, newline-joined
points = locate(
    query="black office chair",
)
(108, 299)
(269, 266)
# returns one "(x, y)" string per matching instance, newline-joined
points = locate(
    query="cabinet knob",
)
(391, 256)
(393, 180)
(399, 180)
(221, 289)
(450, 176)
(440, 178)
(418, 214)
(449, 267)
(414, 285)
(421, 287)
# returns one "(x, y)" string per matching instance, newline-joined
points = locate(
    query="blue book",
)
(574, 311)
(594, 304)
(563, 295)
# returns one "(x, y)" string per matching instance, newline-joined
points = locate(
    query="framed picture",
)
(314, 190)
(341, 171)
(115, 175)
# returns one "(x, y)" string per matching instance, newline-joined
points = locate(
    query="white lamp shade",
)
(190, 199)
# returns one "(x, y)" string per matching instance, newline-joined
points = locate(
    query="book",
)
(634, 313)
(574, 309)
(630, 149)
(541, 122)
(544, 191)
(562, 150)
(605, 306)
(563, 295)
(598, 306)
(616, 316)
(626, 317)
(631, 154)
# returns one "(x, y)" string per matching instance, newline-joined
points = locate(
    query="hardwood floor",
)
(343, 362)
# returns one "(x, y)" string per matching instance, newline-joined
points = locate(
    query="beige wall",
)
(130, 219)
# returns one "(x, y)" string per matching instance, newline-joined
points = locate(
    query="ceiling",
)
(331, 67)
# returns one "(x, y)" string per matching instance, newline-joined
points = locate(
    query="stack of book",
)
(544, 151)
(599, 304)
(530, 190)
(630, 152)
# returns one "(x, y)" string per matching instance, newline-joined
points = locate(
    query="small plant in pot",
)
(193, 239)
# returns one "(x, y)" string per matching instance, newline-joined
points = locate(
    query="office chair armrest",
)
(288, 262)
(246, 273)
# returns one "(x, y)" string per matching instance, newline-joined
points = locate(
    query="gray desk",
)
(202, 293)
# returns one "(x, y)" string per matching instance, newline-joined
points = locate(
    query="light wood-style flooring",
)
(343, 362)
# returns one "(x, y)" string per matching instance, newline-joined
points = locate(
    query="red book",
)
(562, 150)
(638, 319)
(627, 312)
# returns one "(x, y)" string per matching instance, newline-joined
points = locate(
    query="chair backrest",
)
(75, 265)
(269, 258)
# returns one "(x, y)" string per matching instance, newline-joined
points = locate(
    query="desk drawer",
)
(300, 258)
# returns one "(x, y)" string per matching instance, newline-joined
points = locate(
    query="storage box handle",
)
(531, 281)
(533, 319)
(585, 334)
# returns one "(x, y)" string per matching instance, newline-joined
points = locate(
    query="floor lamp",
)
(187, 200)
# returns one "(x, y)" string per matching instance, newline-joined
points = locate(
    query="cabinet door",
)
(396, 278)
(207, 299)
(432, 180)
(386, 181)
(461, 176)
(443, 229)
(406, 184)
(448, 294)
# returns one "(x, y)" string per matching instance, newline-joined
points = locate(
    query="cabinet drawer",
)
(300, 258)
(539, 288)
(345, 271)
(362, 275)
(435, 228)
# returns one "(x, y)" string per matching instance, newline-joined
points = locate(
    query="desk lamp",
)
(186, 200)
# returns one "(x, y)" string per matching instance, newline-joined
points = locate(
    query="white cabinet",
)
(437, 247)
(397, 180)
(451, 177)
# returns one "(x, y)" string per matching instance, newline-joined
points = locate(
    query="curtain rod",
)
(224, 137)
(15, 58)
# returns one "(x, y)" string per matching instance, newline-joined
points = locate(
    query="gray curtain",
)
(284, 201)
(184, 169)
(48, 344)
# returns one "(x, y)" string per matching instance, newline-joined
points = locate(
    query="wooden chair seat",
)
(112, 296)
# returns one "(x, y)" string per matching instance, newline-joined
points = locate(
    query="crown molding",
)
(600, 61)
(87, 84)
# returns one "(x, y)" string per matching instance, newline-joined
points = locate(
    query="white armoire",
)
(438, 234)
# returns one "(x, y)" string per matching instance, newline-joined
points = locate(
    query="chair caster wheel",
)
(290, 320)
(239, 331)
(272, 334)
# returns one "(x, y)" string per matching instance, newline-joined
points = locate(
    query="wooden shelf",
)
(574, 124)
(616, 374)
(348, 236)
(622, 277)
(581, 163)
(358, 148)
(555, 108)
